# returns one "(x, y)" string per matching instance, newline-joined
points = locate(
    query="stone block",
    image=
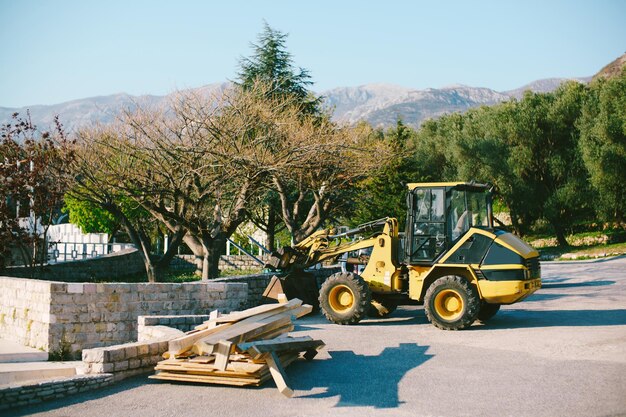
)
(134, 363)
(117, 354)
(90, 288)
(102, 368)
(95, 355)
(58, 287)
(121, 366)
(154, 348)
(75, 288)
(130, 351)
(143, 349)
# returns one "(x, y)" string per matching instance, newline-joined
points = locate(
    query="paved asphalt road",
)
(562, 352)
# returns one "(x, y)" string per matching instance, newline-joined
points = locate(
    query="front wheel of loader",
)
(452, 303)
(345, 298)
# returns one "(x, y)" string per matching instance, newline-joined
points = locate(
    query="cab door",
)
(426, 227)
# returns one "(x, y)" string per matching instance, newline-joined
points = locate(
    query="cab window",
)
(428, 228)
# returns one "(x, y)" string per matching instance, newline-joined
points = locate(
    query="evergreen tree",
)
(603, 145)
(271, 63)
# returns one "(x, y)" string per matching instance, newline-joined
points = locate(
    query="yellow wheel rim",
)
(449, 305)
(341, 298)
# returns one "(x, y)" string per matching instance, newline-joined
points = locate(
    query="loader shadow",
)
(359, 380)
(549, 285)
(404, 315)
(546, 297)
(518, 319)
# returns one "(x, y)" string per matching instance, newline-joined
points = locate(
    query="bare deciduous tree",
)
(326, 163)
(33, 178)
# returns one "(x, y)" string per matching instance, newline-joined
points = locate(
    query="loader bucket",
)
(285, 257)
(296, 284)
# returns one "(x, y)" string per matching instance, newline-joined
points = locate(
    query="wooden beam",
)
(240, 332)
(239, 315)
(259, 348)
(278, 374)
(222, 352)
(184, 343)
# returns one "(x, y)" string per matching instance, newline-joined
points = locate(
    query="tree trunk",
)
(212, 249)
(211, 261)
(271, 229)
(196, 247)
(560, 235)
(151, 272)
(164, 262)
(205, 265)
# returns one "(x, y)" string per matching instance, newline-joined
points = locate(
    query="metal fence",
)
(68, 251)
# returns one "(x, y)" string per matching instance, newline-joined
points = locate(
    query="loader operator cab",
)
(439, 214)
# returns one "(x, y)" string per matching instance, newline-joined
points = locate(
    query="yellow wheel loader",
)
(450, 257)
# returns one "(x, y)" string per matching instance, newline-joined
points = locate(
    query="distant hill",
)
(544, 86)
(382, 104)
(378, 104)
(102, 109)
(614, 69)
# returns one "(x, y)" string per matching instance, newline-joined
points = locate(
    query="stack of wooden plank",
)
(243, 348)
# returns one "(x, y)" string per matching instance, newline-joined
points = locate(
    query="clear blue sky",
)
(55, 51)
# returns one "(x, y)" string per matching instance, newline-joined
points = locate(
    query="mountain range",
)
(379, 104)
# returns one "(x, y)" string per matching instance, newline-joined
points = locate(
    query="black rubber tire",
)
(388, 305)
(350, 285)
(487, 311)
(465, 301)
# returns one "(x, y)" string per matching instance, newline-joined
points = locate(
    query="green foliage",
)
(527, 149)
(433, 159)
(90, 217)
(603, 145)
(271, 63)
(384, 195)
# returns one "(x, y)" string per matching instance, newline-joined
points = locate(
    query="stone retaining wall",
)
(68, 317)
(27, 394)
(126, 360)
(25, 311)
(256, 286)
(56, 316)
(108, 267)
(192, 262)
(131, 359)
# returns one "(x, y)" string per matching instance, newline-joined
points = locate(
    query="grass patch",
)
(567, 253)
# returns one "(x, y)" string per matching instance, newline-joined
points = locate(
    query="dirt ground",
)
(562, 352)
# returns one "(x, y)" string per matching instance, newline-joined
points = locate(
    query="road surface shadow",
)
(546, 297)
(402, 316)
(46, 406)
(549, 285)
(517, 319)
(359, 380)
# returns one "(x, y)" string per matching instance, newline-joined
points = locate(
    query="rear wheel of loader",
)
(487, 311)
(451, 303)
(381, 308)
(345, 298)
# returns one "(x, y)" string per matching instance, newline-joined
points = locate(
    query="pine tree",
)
(273, 64)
